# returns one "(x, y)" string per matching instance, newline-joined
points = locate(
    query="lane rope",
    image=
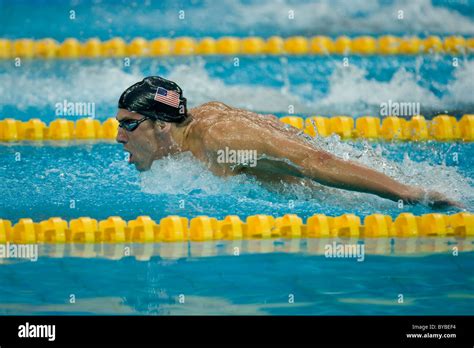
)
(204, 228)
(417, 128)
(72, 48)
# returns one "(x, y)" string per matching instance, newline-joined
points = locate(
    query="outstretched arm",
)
(333, 171)
(330, 170)
(287, 154)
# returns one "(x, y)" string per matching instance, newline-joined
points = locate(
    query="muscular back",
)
(216, 125)
(283, 154)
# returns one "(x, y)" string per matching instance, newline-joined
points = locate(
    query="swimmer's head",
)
(148, 112)
(156, 98)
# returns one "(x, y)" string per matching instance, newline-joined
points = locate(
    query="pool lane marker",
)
(203, 228)
(71, 48)
(440, 128)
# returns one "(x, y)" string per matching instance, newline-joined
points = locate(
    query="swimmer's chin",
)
(141, 168)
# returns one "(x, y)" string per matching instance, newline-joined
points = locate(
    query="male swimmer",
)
(154, 122)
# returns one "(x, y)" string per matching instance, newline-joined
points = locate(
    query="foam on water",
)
(273, 16)
(184, 175)
(352, 92)
(438, 177)
(201, 87)
(31, 87)
(460, 90)
(350, 89)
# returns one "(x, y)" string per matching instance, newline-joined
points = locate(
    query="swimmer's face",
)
(148, 142)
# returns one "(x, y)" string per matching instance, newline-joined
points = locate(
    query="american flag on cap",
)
(167, 97)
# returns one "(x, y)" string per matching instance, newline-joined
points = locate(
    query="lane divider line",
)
(204, 228)
(71, 48)
(440, 128)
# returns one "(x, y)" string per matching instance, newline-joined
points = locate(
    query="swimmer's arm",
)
(333, 171)
(292, 157)
(327, 169)
(330, 170)
(307, 162)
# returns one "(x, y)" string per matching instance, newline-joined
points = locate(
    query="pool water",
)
(105, 19)
(95, 180)
(282, 282)
(311, 85)
(70, 180)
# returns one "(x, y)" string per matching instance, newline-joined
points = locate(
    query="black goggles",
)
(131, 125)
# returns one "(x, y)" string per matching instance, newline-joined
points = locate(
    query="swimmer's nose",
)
(121, 136)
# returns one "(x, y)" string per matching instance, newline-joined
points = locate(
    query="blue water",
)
(106, 19)
(70, 180)
(311, 85)
(251, 284)
(95, 180)
(100, 183)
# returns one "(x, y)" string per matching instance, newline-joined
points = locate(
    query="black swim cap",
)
(156, 98)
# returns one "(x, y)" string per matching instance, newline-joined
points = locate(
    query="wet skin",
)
(283, 154)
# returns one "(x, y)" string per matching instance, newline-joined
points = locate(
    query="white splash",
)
(200, 87)
(184, 174)
(351, 91)
(285, 17)
(461, 89)
(438, 177)
(99, 84)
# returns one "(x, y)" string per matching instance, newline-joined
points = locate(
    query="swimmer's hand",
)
(438, 200)
(433, 199)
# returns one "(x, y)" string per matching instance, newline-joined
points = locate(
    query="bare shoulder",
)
(211, 107)
(214, 122)
(220, 113)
